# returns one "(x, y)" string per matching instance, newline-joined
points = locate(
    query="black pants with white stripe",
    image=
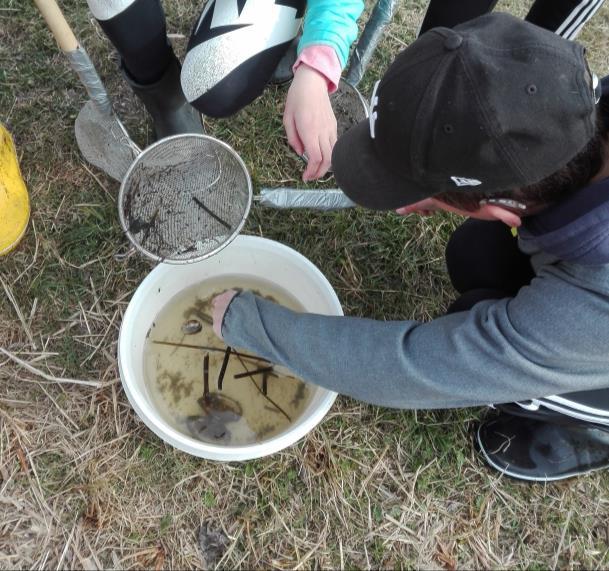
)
(484, 262)
(222, 73)
(565, 17)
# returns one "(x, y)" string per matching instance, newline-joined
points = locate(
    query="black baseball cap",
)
(494, 104)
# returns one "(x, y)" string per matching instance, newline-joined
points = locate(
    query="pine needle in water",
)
(223, 367)
(206, 376)
(213, 349)
(261, 371)
(268, 398)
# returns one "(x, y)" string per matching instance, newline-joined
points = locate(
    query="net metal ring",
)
(153, 148)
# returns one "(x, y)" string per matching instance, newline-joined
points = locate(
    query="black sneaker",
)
(542, 451)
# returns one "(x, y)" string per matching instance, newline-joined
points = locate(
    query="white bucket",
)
(249, 256)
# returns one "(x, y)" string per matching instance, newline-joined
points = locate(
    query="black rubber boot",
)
(165, 101)
(283, 72)
(541, 450)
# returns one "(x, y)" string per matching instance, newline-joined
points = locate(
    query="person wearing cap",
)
(501, 121)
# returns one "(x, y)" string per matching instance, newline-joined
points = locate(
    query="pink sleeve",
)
(324, 60)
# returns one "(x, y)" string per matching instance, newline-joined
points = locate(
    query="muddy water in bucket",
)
(235, 408)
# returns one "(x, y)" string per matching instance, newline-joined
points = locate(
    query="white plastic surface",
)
(247, 255)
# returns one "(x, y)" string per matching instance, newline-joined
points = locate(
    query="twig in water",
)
(223, 367)
(260, 391)
(213, 215)
(206, 376)
(214, 349)
(261, 371)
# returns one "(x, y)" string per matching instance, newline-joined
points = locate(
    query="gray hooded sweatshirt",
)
(551, 338)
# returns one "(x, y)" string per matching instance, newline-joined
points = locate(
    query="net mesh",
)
(185, 198)
(349, 107)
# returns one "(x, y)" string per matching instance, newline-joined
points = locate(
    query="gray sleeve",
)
(500, 351)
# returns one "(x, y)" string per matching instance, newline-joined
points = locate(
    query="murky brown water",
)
(240, 413)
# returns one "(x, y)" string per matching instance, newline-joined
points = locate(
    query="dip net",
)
(184, 198)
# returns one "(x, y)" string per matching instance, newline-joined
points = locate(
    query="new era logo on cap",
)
(462, 181)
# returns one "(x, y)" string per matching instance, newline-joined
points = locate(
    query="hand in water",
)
(309, 121)
(219, 306)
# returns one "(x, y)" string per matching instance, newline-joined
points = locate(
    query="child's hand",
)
(219, 306)
(309, 121)
(425, 207)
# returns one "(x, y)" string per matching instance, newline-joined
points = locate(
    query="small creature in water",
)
(219, 411)
(218, 403)
(191, 327)
(299, 394)
(210, 426)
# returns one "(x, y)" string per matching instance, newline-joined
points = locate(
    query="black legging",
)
(223, 71)
(565, 17)
(484, 262)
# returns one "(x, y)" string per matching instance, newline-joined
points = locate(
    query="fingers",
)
(292, 133)
(330, 141)
(314, 153)
(326, 153)
(405, 210)
(219, 306)
(319, 155)
(424, 207)
(309, 121)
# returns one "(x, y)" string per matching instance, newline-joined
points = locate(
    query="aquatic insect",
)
(216, 403)
(261, 371)
(191, 327)
(262, 392)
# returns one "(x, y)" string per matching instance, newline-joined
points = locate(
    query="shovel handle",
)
(57, 24)
(77, 56)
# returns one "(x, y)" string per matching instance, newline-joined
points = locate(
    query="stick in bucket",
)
(101, 137)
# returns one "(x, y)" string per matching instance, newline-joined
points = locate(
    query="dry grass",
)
(83, 484)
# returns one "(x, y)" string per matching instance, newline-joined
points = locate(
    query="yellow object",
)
(14, 200)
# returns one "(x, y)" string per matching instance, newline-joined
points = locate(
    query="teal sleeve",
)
(331, 23)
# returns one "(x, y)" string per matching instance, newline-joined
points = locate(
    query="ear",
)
(494, 212)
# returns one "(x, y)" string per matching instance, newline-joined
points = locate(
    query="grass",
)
(84, 484)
